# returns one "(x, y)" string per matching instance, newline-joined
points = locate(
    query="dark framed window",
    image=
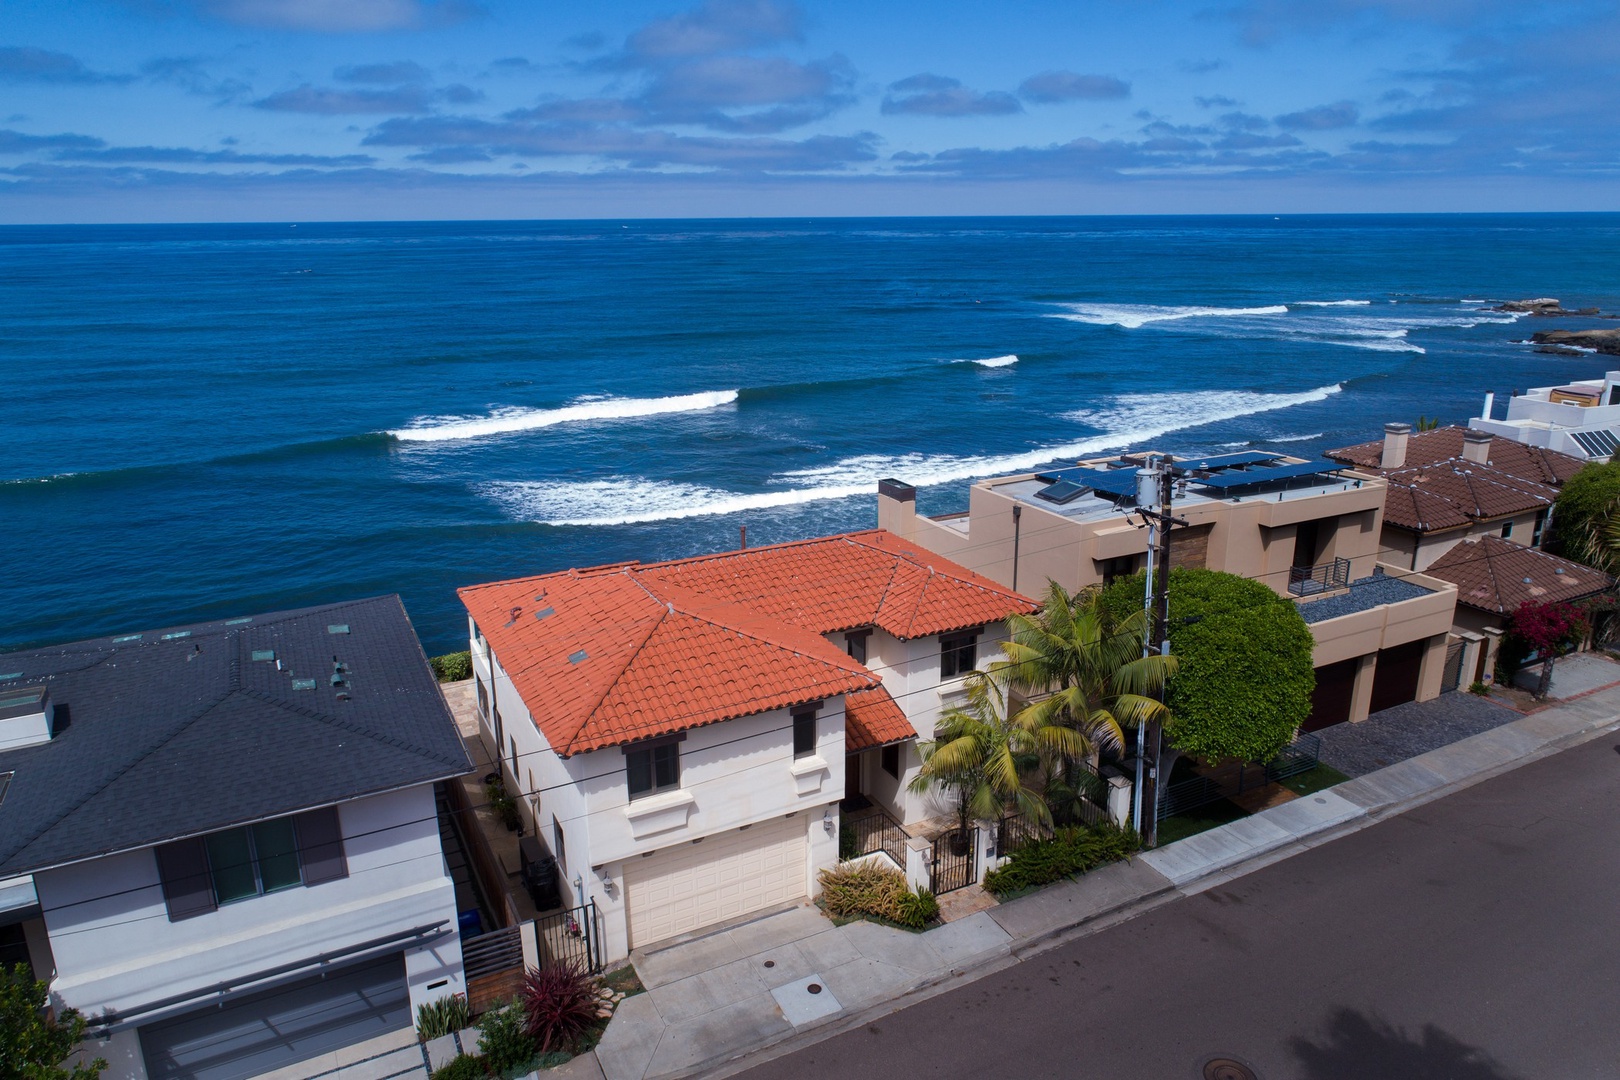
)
(1507, 529)
(891, 760)
(1115, 568)
(202, 873)
(855, 644)
(1540, 527)
(958, 654)
(559, 849)
(483, 697)
(653, 767)
(804, 733)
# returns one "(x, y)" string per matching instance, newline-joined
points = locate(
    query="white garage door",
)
(690, 886)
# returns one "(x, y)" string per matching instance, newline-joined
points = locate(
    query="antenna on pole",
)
(1148, 489)
(1155, 490)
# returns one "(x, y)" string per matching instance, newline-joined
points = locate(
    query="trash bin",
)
(539, 872)
(469, 924)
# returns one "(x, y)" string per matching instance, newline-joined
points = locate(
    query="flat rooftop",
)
(1099, 506)
(1364, 594)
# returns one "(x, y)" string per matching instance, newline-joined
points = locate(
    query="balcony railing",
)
(1321, 578)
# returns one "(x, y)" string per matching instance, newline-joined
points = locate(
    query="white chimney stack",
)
(1490, 403)
(1395, 436)
(1476, 446)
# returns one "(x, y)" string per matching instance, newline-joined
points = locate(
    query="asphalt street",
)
(1474, 938)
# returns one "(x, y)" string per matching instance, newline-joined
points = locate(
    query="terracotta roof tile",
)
(1496, 575)
(631, 652)
(1455, 493)
(873, 718)
(1442, 444)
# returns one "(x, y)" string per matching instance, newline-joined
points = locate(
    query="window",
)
(201, 873)
(483, 699)
(1112, 569)
(855, 644)
(958, 654)
(1507, 529)
(804, 733)
(1539, 528)
(891, 760)
(511, 743)
(557, 846)
(653, 767)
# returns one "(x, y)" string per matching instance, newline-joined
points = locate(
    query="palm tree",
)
(1090, 666)
(987, 759)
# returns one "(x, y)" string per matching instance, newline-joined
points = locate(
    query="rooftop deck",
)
(1091, 507)
(1363, 594)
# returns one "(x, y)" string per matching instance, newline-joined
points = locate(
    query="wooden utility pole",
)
(1150, 736)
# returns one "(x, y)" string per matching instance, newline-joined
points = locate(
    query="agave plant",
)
(438, 1018)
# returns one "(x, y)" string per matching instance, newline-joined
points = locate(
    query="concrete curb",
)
(1219, 855)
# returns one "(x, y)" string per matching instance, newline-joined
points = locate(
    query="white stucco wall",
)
(115, 947)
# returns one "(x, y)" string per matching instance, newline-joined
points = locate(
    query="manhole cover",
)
(814, 988)
(770, 963)
(1225, 1068)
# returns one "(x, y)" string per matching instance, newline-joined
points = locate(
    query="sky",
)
(277, 110)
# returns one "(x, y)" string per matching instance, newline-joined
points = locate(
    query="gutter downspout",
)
(1018, 512)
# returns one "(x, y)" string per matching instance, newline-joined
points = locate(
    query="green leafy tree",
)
(34, 1046)
(1244, 681)
(987, 760)
(1585, 526)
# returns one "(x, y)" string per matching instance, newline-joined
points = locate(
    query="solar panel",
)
(1222, 461)
(1062, 492)
(1113, 481)
(1601, 443)
(1224, 481)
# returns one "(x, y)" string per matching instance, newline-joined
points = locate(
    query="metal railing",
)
(1013, 832)
(573, 936)
(872, 832)
(1321, 578)
(1299, 756)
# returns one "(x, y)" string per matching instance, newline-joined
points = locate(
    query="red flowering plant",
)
(1538, 631)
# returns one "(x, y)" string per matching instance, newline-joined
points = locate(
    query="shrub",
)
(452, 667)
(560, 1006)
(1542, 630)
(873, 890)
(504, 1040)
(847, 841)
(1582, 514)
(441, 1017)
(1067, 852)
(1479, 688)
(462, 1067)
(1244, 681)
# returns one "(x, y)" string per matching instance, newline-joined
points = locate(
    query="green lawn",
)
(1195, 821)
(1314, 780)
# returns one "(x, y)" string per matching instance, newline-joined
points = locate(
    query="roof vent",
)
(543, 612)
(338, 628)
(578, 657)
(239, 622)
(1558, 569)
(176, 635)
(1527, 581)
(303, 684)
(26, 716)
(264, 654)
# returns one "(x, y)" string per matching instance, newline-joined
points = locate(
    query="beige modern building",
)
(1310, 530)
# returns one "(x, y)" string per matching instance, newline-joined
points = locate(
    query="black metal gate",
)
(572, 937)
(1451, 678)
(955, 855)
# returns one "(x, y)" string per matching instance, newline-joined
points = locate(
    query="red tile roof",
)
(1456, 493)
(873, 718)
(631, 652)
(1443, 444)
(1496, 575)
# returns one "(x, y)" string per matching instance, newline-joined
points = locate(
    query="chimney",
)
(1476, 446)
(26, 717)
(1490, 403)
(897, 507)
(1395, 436)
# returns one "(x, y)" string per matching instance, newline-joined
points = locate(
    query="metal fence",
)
(492, 953)
(1451, 675)
(873, 831)
(1299, 756)
(572, 936)
(1013, 832)
(1321, 578)
(955, 860)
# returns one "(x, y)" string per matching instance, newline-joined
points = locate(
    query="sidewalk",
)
(790, 979)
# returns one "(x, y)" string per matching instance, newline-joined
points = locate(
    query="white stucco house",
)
(682, 733)
(220, 842)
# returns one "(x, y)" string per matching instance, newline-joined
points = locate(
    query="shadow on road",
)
(1357, 1046)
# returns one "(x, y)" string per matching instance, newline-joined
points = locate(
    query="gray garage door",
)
(269, 1030)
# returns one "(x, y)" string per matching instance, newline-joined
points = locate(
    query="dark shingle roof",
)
(181, 732)
(1515, 458)
(1496, 575)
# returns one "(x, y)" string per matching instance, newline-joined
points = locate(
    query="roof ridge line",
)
(750, 635)
(666, 608)
(154, 748)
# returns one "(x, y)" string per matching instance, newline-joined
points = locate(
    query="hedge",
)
(1069, 851)
(452, 667)
(1245, 678)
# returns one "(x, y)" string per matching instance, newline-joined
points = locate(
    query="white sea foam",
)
(1294, 438)
(993, 362)
(505, 421)
(1125, 421)
(1330, 303)
(1132, 316)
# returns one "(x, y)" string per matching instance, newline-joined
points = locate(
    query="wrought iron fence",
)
(873, 830)
(1299, 756)
(1321, 578)
(572, 936)
(955, 860)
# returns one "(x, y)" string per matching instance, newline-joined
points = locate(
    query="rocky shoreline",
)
(1567, 341)
(1548, 308)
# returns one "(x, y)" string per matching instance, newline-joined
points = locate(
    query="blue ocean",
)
(202, 421)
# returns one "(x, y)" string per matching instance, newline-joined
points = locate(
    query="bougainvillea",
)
(1541, 630)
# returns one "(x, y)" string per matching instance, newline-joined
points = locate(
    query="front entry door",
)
(852, 775)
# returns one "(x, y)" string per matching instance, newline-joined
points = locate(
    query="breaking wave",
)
(1131, 316)
(993, 362)
(1127, 420)
(506, 421)
(1330, 303)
